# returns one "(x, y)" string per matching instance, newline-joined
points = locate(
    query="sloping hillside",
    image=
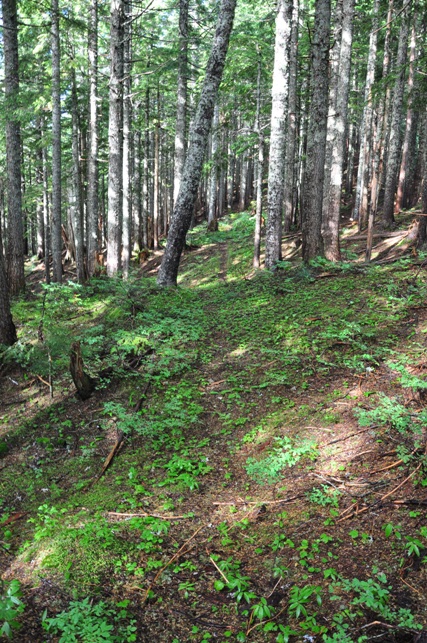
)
(251, 466)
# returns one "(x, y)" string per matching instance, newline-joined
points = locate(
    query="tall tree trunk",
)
(330, 230)
(409, 122)
(156, 177)
(56, 147)
(213, 187)
(127, 119)
(93, 233)
(396, 115)
(146, 238)
(276, 168)
(334, 79)
(260, 168)
(291, 139)
(360, 205)
(198, 142)
(379, 136)
(76, 191)
(7, 327)
(15, 246)
(181, 106)
(115, 139)
(316, 142)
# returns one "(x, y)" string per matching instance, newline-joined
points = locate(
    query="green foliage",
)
(324, 496)
(391, 413)
(92, 623)
(286, 453)
(183, 471)
(11, 606)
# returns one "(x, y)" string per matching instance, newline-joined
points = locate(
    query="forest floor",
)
(251, 467)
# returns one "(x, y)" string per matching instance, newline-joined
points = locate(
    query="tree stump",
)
(84, 383)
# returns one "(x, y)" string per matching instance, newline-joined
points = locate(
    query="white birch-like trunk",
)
(276, 167)
(93, 241)
(409, 122)
(213, 184)
(115, 139)
(127, 119)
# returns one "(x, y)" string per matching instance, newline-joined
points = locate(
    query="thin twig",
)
(351, 435)
(170, 561)
(145, 515)
(217, 568)
(264, 622)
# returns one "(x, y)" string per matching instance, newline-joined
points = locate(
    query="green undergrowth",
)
(226, 391)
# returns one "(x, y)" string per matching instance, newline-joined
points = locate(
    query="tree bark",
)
(408, 124)
(183, 210)
(76, 191)
(396, 114)
(7, 327)
(276, 167)
(312, 245)
(330, 230)
(56, 227)
(115, 139)
(213, 187)
(291, 139)
(127, 120)
(360, 205)
(181, 106)
(15, 246)
(93, 241)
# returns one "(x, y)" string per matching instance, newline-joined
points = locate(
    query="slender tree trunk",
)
(213, 187)
(56, 147)
(198, 142)
(76, 192)
(396, 114)
(334, 80)
(291, 139)
(276, 168)
(115, 140)
(360, 205)
(93, 233)
(330, 231)
(41, 250)
(260, 168)
(422, 224)
(409, 122)
(46, 215)
(127, 119)
(156, 177)
(181, 107)
(316, 143)
(146, 237)
(15, 246)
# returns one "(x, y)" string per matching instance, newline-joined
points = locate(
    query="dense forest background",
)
(319, 107)
(243, 457)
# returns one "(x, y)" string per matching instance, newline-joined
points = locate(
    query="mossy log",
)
(84, 383)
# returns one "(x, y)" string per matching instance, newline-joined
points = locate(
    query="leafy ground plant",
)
(11, 607)
(97, 623)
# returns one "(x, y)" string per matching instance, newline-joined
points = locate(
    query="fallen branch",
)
(256, 502)
(347, 437)
(217, 568)
(114, 450)
(170, 561)
(145, 515)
